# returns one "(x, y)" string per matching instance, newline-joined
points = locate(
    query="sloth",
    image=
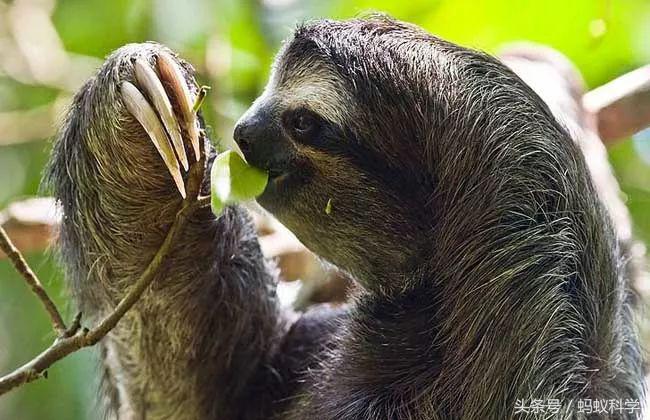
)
(488, 269)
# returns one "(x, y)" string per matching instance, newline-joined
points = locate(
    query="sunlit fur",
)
(488, 268)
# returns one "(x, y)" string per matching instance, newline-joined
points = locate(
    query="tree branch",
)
(31, 224)
(622, 106)
(25, 126)
(76, 338)
(34, 283)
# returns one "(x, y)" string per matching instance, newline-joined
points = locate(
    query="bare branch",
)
(30, 23)
(31, 224)
(76, 338)
(25, 126)
(622, 106)
(26, 272)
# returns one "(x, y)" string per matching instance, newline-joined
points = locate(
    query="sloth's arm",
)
(209, 328)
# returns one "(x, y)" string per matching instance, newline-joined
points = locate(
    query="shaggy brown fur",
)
(488, 265)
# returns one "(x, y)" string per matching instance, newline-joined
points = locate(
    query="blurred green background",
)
(48, 48)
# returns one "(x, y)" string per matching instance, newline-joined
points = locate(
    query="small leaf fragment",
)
(234, 181)
(198, 102)
(328, 207)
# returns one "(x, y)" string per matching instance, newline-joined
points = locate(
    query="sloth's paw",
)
(165, 107)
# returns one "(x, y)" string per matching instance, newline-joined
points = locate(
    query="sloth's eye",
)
(303, 124)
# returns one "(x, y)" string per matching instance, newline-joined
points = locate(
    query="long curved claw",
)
(138, 106)
(172, 75)
(148, 79)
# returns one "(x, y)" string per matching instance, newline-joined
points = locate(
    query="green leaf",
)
(233, 181)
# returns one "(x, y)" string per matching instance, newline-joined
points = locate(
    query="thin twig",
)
(23, 269)
(30, 223)
(622, 106)
(198, 102)
(75, 337)
(25, 126)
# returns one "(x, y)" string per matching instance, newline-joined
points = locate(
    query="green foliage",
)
(96, 27)
(233, 181)
(25, 331)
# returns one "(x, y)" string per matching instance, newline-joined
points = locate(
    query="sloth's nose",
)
(260, 141)
(247, 132)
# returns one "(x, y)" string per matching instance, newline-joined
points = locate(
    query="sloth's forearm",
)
(196, 339)
(191, 345)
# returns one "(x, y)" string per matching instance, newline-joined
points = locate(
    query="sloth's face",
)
(383, 141)
(332, 183)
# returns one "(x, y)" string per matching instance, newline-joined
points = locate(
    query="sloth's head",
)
(367, 127)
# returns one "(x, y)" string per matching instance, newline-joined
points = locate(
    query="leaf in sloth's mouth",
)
(233, 181)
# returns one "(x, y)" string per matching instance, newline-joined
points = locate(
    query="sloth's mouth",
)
(282, 181)
(276, 175)
(285, 177)
(278, 178)
(276, 188)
